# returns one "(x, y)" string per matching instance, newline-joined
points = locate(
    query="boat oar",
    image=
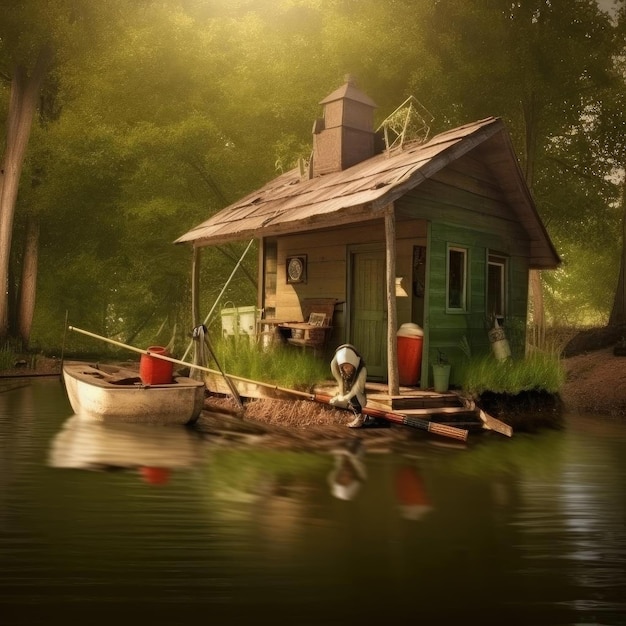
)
(416, 422)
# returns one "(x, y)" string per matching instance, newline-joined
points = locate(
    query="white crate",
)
(241, 320)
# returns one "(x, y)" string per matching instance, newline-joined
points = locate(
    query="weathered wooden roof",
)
(291, 203)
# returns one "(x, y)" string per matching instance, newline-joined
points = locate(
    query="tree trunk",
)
(618, 312)
(22, 106)
(530, 123)
(539, 316)
(28, 282)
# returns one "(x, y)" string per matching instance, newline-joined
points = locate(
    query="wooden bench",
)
(315, 332)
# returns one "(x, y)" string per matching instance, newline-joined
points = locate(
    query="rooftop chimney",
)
(345, 135)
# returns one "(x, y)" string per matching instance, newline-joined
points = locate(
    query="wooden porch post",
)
(195, 287)
(392, 317)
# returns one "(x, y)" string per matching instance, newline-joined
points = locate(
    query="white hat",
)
(348, 355)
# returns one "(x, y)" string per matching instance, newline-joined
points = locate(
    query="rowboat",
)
(109, 393)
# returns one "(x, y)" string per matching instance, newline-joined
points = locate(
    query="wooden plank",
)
(402, 404)
(492, 423)
(444, 410)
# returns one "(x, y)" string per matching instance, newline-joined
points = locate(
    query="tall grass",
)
(7, 357)
(539, 371)
(292, 368)
(281, 365)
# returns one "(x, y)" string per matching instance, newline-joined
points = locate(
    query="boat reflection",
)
(153, 451)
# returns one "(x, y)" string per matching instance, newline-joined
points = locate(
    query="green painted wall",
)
(482, 225)
(446, 330)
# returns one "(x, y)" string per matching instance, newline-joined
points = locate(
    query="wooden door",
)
(368, 313)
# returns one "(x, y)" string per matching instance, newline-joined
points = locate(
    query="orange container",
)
(410, 339)
(155, 371)
(155, 475)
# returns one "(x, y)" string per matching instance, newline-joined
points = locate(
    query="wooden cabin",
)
(439, 232)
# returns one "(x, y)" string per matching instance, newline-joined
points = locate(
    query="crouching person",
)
(348, 369)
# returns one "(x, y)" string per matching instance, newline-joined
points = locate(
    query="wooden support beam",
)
(195, 287)
(393, 378)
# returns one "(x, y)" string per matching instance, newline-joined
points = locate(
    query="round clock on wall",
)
(296, 269)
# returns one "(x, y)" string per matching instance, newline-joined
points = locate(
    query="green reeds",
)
(7, 357)
(284, 366)
(539, 371)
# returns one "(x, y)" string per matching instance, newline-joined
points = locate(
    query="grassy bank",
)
(537, 372)
(286, 367)
(279, 365)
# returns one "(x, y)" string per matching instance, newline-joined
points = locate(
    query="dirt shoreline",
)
(596, 383)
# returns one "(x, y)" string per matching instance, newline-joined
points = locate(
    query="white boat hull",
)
(92, 395)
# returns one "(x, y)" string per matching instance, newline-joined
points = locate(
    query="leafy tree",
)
(133, 168)
(159, 114)
(608, 133)
(27, 56)
(540, 65)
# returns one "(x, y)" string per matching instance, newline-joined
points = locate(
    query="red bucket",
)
(410, 340)
(155, 371)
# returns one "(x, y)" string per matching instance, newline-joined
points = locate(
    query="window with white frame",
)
(456, 287)
(496, 287)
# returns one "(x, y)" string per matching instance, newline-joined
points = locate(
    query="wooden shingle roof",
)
(291, 203)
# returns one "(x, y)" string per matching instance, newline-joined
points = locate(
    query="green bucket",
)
(441, 377)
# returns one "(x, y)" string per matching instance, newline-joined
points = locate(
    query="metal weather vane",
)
(409, 123)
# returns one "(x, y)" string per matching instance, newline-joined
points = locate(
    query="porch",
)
(448, 408)
(425, 409)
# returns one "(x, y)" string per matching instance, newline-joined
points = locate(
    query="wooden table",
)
(269, 331)
(310, 335)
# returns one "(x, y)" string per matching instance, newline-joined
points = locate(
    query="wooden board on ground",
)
(444, 410)
(492, 423)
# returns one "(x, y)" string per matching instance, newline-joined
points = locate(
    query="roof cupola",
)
(345, 135)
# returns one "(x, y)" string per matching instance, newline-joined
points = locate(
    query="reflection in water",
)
(153, 451)
(349, 472)
(528, 530)
(413, 499)
(574, 521)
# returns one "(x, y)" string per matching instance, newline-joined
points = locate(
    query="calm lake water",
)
(527, 530)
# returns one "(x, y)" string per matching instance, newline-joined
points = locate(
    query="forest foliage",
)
(156, 114)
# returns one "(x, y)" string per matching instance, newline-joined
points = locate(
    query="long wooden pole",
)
(195, 292)
(393, 380)
(432, 427)
(140, 351)
(172, 360)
